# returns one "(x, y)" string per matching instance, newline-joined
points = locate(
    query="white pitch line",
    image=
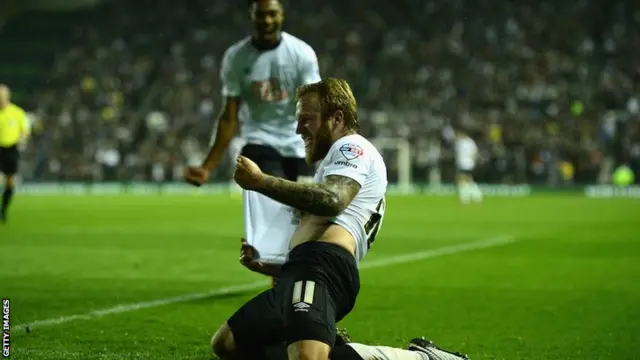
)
(378, 263)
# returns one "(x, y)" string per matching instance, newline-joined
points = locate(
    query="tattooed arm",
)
(329, 198)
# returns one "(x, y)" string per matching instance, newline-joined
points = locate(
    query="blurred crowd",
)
(549, 90)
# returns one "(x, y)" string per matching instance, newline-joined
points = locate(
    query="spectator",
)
(551, 99)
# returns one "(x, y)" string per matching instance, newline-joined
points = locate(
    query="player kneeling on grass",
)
(339, 216)
(343, 347)
(250, 258)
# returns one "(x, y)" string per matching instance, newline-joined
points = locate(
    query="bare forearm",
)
(316, 199)
(224, 134)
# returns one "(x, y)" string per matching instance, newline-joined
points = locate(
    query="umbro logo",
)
(301, 306)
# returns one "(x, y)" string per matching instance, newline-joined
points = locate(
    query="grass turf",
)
(567, 288)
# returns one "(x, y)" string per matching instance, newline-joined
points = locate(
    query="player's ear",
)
(338, 117)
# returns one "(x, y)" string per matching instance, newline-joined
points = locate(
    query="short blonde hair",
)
(335, 94)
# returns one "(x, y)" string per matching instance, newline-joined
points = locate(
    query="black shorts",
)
(9, 158)
(464, 172)
(318, 288)
(272, 163)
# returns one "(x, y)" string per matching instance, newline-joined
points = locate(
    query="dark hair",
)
(251, 2)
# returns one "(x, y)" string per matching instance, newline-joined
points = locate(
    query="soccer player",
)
(419, 348)
(259, 77)
(339, 216)
(466, 153)
(14, 128)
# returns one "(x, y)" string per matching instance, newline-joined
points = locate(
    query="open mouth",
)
(267, 29)
(307, 141)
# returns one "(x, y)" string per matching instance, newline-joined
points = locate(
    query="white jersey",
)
(355, 157)
(269, 225)
(266, 83)
(466, 151)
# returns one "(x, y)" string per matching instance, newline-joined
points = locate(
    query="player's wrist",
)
(262, 181)
(209, 165)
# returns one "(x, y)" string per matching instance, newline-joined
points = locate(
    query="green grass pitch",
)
(566, 287)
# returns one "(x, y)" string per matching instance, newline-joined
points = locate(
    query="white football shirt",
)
(266, 83)
(466, 150)
(269, 224)
(355, 157)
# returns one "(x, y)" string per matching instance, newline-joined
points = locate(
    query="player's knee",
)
(222, 343)
(308, 350)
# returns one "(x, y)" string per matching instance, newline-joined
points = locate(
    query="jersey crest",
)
(351, 151)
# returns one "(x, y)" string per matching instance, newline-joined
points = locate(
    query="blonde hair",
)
(335, 94)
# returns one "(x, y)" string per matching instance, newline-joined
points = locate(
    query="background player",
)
(259, 76)
(466, 153)
(14, 128)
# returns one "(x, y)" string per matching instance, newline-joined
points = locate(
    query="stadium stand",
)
(132, 93)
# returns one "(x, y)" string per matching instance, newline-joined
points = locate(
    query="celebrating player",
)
(419, 348)
(339, 216)
(14, 128)
(466, 153)
(259, 76)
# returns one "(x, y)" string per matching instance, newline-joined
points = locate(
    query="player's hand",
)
(196, 175)
(247, 174)
(249, 256)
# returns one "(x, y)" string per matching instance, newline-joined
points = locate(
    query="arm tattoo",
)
(329, 198)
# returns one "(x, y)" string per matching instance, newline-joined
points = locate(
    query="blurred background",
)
(128, 91)
(124, 93)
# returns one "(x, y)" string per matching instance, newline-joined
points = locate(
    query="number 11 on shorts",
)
(303, 292)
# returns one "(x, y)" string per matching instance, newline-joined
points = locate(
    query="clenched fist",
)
(249, 256)
(196, 175)
(247, 174)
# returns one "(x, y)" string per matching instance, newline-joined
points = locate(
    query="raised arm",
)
(328, 198)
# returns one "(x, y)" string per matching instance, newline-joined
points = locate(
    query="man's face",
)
(267, 17)
(4, 96)
(315, 130)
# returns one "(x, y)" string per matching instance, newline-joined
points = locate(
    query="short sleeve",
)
(228, 76)
(309, 68)
(349, 160)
